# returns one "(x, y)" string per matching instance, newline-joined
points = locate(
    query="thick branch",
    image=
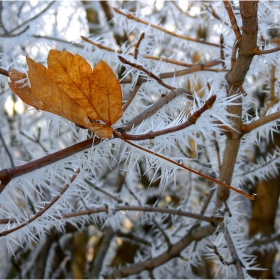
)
(236, 77)
(6, 175)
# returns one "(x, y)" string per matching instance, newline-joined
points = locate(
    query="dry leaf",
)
(71, 89)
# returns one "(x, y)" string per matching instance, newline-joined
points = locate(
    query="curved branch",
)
(195, 234)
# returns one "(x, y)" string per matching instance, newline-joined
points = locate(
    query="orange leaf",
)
(71, 89)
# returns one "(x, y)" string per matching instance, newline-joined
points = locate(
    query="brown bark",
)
(236, 77)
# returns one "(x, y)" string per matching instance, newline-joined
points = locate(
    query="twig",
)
(29, 20)
(48, 206)
(58, 40)
(101, 253)
(246, 128)
(216, 252)
(36, 140)
(251, 197)
(155, 107)
(190, 121)
(180, 10)
(102, 190)
(233, 21)
(273, 98)
(133, 237)
(132, 95)
(143, 208)
(238, 264)
(261, 52)
(150, 74)
(136, 51)
(197, 67)
(167, 239)
(233, 55)
(1, 18)
(7, 150)
(130, 16)
(260, 242)
(222, 52)
(214, 14)
(15, 34)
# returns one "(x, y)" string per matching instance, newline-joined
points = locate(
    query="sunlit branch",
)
(131, 17)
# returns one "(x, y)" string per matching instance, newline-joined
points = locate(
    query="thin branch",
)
(7, 150)
(132, 95)
(222, 260)
(133, 237)
(143, 208)
(246, 128)
(233, 21)
(136, 50)
(273, 99)
(29, 20)
(15, 34)
(130, 16)
(222, 52)
(47, 207)
(266, 241)
(194, 234)
(164, 99)
(214, 14)
(261, 52)
(251, 197)
(36, 140)
(102, 190)
(166, 237)
(58, 40)
(190, 121)
(1, 18)
(149, 73)
(238, 264)
(180, 10)
(196, 67)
